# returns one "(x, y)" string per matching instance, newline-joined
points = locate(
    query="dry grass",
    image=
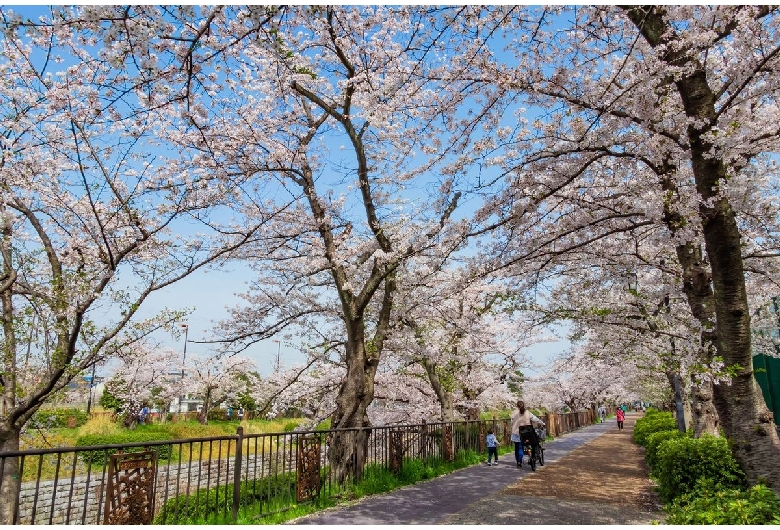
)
(46, 466)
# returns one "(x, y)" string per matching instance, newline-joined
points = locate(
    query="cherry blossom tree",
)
(98, 209)
(685, 98)
(463, 331)
(216, 379)
(310, 388)
(143, 375)
(372, 81)
(583, 378)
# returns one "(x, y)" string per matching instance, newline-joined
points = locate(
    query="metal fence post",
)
(237, 471)
(424, 440)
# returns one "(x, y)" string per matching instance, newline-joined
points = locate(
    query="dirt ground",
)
(610, 469)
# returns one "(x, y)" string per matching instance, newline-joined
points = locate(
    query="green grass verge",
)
(278, 508)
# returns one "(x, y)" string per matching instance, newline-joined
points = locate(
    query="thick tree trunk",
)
(347, 452)
(743, 414)
(705, 416)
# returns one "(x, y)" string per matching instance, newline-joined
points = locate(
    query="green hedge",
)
(55, 418)
(684, 462)
(206, 503)
(653, 421)
(100, 457)
(654, 441)
(710, 505)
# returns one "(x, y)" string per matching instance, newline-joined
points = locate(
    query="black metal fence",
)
(212, 480)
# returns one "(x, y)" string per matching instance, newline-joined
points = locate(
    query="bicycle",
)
(541, 436)
(529, 440)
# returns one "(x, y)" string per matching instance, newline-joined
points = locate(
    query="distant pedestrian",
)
(240, 414)
(230, 413)
(621, 416)
(492, 447)
(602, 413)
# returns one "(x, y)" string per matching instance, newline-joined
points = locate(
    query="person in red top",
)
(621, 416)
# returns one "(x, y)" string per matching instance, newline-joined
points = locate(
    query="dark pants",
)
(492, 452)
(620, 425)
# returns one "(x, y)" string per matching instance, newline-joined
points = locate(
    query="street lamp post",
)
(91, 384)
(278, 355)
(183, 362)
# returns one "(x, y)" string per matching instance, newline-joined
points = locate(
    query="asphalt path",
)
(474, 495)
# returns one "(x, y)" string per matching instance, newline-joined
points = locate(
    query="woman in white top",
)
(522, 417)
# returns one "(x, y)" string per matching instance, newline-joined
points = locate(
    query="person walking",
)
(602, 413)
(621, 416)
(492, 447)
(522, 418)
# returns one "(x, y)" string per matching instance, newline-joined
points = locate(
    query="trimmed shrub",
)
(653, 422)
(709, 505)
(100, 457)
(683, 462)
(55, 418)
(654, 440)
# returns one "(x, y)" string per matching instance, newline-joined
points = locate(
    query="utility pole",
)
(278, 363)
(91, 384)
(183, 362)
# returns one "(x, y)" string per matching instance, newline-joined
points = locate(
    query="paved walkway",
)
(564, 491)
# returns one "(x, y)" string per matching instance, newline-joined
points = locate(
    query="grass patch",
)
(278, 507)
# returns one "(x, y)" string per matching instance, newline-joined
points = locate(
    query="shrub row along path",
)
(596, 475)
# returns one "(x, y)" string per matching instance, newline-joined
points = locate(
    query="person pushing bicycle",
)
(522, 427)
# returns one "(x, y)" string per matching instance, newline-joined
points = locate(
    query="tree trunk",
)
(472, 413)
(743, 414)
(11, 481)
(705, 416)
(697, 287)
(9, 433)
(203, 415)
(677, 388)
(347, 451)
(446, 400)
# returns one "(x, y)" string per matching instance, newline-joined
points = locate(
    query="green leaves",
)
(653, 422)
(711, 505)
(684, 462)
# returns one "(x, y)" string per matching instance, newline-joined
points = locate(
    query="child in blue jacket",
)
(492, 447)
